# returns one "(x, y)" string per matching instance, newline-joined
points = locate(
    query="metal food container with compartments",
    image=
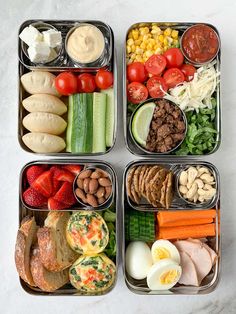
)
(41, 214)
(210, 282)
(64, 63)
(132, 146)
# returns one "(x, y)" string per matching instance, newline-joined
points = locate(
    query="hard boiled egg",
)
(163, 275)
(162, 249)
(138, 259)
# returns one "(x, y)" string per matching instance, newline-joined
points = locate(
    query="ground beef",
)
(167, 127)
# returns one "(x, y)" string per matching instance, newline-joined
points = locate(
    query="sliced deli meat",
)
(199, 255)
(211, 252)
(189, 274)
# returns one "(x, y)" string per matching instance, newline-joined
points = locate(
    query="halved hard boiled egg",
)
(163, 275)
(162, 249)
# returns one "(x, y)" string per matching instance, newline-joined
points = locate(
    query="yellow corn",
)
(135, 33)
(139, 58)
(174, 34)
(161, 38)
(130, 42)
(137, 42)
(149, 46)
(130, 35)
(165, 41)
(132, 56)
(128, 49)
(143, 45)
(149, 53)
(138, 50)
(133, 47)
(167, 32)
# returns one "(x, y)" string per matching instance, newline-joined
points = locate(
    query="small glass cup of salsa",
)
(200, 44)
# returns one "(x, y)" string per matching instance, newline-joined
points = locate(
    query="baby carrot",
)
(186, 222)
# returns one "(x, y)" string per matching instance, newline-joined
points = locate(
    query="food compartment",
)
(171, 251)
(66, 110)
(152, 186)
(155, 67)
(49, 185)
(71, 252)
(34, 36)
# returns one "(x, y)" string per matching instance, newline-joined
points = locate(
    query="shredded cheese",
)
(197, 93)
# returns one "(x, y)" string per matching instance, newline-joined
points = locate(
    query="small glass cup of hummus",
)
(86, 45)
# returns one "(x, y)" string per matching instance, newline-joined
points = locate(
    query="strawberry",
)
(55, 205)
(75, 169)
(65, 194)
(63, 175)
(33, 172)
(33, 198)
(43, 184)
(56, 186)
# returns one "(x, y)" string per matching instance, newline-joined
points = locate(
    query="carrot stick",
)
(167, 217)
(184, 232)
(187, 222)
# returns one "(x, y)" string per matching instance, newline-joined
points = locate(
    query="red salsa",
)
(200, 43)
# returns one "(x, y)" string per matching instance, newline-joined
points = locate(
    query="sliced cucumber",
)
(110, 116)
(69, 124)
(99, 122)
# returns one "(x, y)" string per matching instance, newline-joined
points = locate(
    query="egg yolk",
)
(161, 253)
(169, 277)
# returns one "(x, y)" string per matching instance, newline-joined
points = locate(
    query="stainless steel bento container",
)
(130, 144)
(210, 282)
(63, 63)
(41, 214)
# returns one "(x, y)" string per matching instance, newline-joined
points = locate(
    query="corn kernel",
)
(174, 34)
(130, 35)
(166, 48)
(149, 53)
(138, 50)
(130, 42)
(139, 58)
(167, 32)
(146, 29)
(159, 51)
(135, 34)
(151, 41)
(161, 38)
(140, 37)
(145, 58)
(132, 56)
(143, 45)
(165, 41)
(133, 47)
(149, 46)
(128, 49)
(146, 37)
(170, 40)
(137, 42)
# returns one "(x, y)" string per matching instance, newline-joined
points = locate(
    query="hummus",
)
(85, 44)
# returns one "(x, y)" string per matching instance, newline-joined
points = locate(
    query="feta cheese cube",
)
(52, 38)
(30, 35)
(39, 52)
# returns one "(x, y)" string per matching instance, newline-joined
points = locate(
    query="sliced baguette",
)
(46, 280)
(55, 253)
(25, 238)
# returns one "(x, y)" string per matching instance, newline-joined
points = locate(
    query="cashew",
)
(199, 182)
(202, 170)
(206, 178)
(183, 189)
(201, 192)
(207, 187)
(192, 174)
(191, 192)
(201, 199)
(209, 194)
(189, 185)
(195, 198)
(183, 179)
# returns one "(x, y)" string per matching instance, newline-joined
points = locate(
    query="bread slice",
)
(46, 280)
(25, 237)
(55, 252)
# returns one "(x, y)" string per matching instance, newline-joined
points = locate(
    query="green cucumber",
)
(80, 123)
(99, 122)
(110, 116)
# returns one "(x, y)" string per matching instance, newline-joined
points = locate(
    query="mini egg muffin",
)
(87, 232)
(92, 273)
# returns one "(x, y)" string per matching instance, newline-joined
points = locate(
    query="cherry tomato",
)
(173, 77)
(156, 86)
(86, 83)
(155, 64)
(66, 83)
(104, 79)
(136, 72)
(188, 71)
(137, 92)
(174, 58)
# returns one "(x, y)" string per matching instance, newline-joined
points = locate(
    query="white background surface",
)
(120, 14)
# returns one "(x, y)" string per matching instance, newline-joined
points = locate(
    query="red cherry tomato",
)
(136, 72)
(104, 79)
(156, 86)
(66, 83)
(86, 83)
(137, 92)
(188, 71)
(174, 58)
(155, 64)
(173, 77)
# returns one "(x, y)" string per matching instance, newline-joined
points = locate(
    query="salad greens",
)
(110, 218)
(201, 133)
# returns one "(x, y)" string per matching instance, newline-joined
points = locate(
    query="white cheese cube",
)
(39, 52)
(52, 38)
(30, 35)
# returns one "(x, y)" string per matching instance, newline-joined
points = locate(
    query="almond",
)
(93, 186)
(108, 191)
(86, 185)
(80, 183)
(104, 182)
(85, 174)
(100, 192)
(91, 199)
(101, 200)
